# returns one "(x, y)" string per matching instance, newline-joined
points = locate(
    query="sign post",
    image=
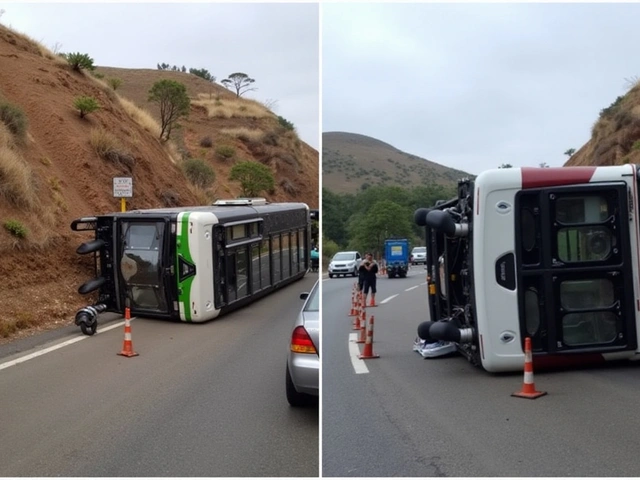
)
(123, 189)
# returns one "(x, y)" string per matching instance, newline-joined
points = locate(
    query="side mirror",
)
(304, 295)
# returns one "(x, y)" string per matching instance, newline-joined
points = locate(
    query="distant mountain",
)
(351, 160)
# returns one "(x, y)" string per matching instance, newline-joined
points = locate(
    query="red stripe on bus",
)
(552, 177)
(569, 360)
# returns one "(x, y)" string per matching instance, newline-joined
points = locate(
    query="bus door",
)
(143, 260)
(575, 273)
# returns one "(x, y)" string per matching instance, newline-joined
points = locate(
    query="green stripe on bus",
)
(182, 250)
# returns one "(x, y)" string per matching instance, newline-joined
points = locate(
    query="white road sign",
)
(123, 187)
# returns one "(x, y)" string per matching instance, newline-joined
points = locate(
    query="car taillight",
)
(301, 341)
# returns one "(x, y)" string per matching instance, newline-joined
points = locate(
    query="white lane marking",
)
(411, 288)
(389, 298)
(56, 347)
(358, 365)
(423, 283)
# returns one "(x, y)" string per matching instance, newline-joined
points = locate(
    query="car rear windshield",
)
(420, 249)
(343, 256)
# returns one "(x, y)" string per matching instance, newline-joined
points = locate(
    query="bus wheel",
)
(89, 330)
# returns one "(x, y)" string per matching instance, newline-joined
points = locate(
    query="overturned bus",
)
(546, 253)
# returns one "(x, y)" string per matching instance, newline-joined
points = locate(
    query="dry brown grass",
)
(232, 107)
(17, 182)
(6, 137)
(203, 196)
(173, 151)
(141, 117)
(108, 147)
(38, 47)
(635, 112)
(245, 134)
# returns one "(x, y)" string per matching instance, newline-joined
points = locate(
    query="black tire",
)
(295, 398)
(89, 330)
(331, 275)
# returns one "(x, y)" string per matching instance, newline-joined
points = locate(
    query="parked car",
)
(303, 361)
(345, 263)
(419, 255)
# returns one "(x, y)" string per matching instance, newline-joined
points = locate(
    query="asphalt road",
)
(199, 400)
(407, 416)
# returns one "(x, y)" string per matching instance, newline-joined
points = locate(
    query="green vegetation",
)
(240, 82)
(286, 124)
(199, 172)
(114, 83)
(174, 103)
(14, 118)
(226, 151)
(86, 105)
(15, 228)
(79, 61)
(570, 152)
(613, 108)
(202, 73)
(254, 178)
(363, 221)
(636, 145)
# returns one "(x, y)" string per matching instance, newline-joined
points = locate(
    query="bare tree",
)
(240, 82)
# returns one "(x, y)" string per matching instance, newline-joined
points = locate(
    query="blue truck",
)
(396, 254)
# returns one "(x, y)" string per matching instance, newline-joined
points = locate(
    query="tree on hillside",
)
(174, 103)
(544, 165)
(506, 165)
(240, 82)
(570, 152)
(385, 219)
(202, 73)
(254, 178)
(79, 61)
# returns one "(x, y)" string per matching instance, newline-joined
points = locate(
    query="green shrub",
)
(254, 178)
(86, 105)
(15, 228)
(199, 172)
(14, 118)
(80, 61)
(286, 123)
(114, 83)
(226, 151)
(613, 108)
(98, 75)
(636, 145)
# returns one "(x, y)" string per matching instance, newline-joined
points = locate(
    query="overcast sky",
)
(276, 44)
(473, 86)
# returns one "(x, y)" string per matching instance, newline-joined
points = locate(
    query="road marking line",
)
(56, 347)
(389, 298)
(411, 288)
(358, 365)
(424, 283)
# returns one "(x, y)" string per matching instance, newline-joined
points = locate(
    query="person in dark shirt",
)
(370, 271)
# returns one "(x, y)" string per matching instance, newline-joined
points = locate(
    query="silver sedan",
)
(303, 361)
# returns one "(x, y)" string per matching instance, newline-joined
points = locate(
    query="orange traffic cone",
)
(353, 312)
(528, 388)
(372, 303)
(363, 329)
(127, 348)
(357, 323)
(367, 352)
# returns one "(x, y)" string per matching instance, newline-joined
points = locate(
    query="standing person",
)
(371, 270)
(362, 273)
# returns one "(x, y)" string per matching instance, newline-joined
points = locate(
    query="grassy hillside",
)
(351, 161)
(615, 136)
